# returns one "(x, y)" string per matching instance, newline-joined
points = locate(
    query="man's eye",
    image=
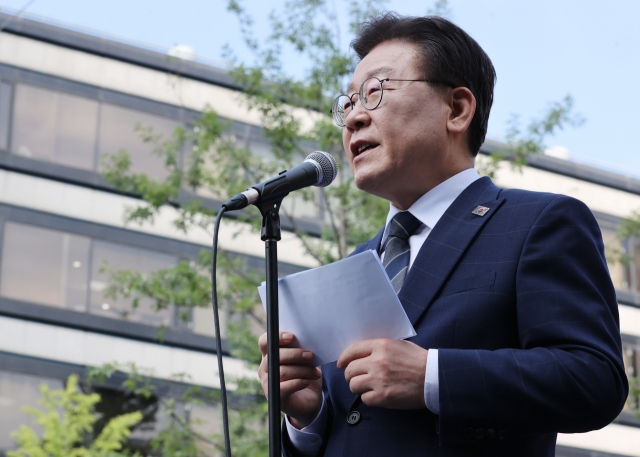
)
(372, 90)
(346, 106)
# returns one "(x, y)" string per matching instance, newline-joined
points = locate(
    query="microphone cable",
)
(216, 320)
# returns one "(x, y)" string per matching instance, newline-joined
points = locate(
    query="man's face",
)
(405, 138)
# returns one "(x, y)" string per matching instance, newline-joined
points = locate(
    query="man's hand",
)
(387, 373)
(300, 382)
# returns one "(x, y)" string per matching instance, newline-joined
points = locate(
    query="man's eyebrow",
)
(378, 71)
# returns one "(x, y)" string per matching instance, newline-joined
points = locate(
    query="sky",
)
(542, 50)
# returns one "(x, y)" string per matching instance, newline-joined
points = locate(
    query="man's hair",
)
(448, 54)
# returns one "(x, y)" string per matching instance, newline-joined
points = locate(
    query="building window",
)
(630, 251)
(118, 130)
(613, 251)
(54, 127)
(75, 131)
(631, 355)
(116, 256)
(5, 114)
(16, 391)
(63, 270)
(44, 266)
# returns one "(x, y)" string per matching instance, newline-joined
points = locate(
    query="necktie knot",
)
(403, 225)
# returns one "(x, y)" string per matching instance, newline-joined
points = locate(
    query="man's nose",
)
(358, 117)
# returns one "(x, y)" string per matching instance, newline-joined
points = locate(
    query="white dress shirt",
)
(428, 209)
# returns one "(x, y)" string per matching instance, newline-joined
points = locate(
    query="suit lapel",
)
(374, 243)
(445, 245)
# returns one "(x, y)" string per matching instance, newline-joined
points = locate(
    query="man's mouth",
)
(363, 148)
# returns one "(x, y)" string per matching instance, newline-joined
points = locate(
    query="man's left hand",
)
(387, 373)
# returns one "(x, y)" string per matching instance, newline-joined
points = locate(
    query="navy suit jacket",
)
(520, 305)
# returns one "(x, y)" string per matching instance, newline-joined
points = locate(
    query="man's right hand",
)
(300, 382)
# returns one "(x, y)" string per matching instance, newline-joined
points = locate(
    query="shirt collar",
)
(429, 208)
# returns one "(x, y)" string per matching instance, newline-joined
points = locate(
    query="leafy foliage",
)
(67, 420)
(522, 144)
(179, 435)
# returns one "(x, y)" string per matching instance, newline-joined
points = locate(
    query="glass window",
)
(116, 256)
(18, 390)
(55, 127)
(635, 266)
(118, 131)
(631, 356)
(207, 421)
(44, 266)
(613, 251)
(202, 321)
(630, 249)
(50, 267)
(5, 111)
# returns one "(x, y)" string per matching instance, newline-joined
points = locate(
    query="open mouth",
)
(365, 147)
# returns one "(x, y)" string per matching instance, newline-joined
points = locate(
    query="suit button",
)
(468, 433)
(503, 434)
(353, 418)
(491, 434)
(480, 434)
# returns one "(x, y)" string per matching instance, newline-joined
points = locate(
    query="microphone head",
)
(326, 165)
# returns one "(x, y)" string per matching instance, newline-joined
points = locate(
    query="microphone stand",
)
(270, 234)
(319, 169)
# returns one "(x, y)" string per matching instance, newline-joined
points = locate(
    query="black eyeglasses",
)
(370, 95)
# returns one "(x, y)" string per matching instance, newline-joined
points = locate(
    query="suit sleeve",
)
(567, 374)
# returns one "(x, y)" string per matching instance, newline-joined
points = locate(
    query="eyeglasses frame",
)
(359, 93)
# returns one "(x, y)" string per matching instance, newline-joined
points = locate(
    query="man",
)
(516, 317)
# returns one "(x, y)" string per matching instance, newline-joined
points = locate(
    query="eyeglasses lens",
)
(370, 93)
(341, 107)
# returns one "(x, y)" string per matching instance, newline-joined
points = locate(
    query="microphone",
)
(318, 169)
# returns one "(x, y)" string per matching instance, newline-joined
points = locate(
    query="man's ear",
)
(462, 104)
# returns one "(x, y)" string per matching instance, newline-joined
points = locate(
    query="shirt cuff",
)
(308, 440)
(432, 383)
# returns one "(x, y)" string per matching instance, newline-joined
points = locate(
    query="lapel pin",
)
(480, 210)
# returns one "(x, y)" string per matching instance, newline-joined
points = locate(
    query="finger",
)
(286, 338)
(262, 343)
(295, 385)
(263, 368)
(290, 372)
(295, 360)
(264, 377)
(360, 385)
(295, 356)
(355, 368)
(355, 351)
(370, 398)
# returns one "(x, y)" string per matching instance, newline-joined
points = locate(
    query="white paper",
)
(331, 307)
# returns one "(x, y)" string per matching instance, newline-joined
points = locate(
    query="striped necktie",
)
(396, 248)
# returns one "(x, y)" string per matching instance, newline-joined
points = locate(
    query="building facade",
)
(68, 97)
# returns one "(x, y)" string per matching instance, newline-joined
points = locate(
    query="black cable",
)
(216, 320)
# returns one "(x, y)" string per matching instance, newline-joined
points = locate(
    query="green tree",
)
(179, 436)
(295, 116)
(522, 144)
(68, 423)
